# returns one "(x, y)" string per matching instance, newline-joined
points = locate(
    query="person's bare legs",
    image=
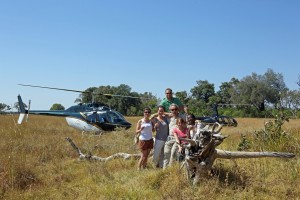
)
(143, 159)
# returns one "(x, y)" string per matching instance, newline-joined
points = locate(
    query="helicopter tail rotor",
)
(27, 116)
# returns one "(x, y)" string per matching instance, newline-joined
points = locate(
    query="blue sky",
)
(148, 45)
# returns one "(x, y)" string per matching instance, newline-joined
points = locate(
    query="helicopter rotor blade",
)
(79, 91)
(117, 95)
(54, 88)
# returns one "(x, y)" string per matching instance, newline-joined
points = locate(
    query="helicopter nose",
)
(127, 125)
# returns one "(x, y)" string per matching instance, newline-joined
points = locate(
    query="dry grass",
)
(38, 163)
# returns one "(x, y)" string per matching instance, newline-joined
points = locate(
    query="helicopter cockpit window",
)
(120, 115)
(101, 117)
(114, 117)
(92, 117)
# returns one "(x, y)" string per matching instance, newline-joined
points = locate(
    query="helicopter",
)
(90, 117)
(216, 118)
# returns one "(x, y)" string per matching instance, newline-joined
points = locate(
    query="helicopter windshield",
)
(114, 117)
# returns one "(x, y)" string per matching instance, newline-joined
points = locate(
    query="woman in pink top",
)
(181, 131)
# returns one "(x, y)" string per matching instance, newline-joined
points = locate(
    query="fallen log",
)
(97, 158)
(239, 154)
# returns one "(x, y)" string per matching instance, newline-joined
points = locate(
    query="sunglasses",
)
(168, 93)
(146, 112)
(174, 109)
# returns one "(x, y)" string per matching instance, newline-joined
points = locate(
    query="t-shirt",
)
(162, 131)
(172, 123)
(181, 134)
(166, 103)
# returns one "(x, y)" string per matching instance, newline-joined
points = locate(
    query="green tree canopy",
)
(57, 106)
(182, 96)
(225, 91)
(125, 105)
(291, 100)
(250, 90)
(259, 89)
(203, 91)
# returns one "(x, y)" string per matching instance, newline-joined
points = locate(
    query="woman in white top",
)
(145, 128)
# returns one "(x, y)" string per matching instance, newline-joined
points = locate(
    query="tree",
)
(203, 90)
(125, 105)
(250, 90)
(78, 99)
(57, 106)
(291, 100)
(3, 107)
(87, 96)
(259, 89)
(275, 86)
(182, 96)
(148, 100)
(198, 107)
(224, 93)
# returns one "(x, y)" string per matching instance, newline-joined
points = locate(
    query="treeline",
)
(252, 96)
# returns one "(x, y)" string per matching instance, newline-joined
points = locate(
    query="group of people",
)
(171, 122)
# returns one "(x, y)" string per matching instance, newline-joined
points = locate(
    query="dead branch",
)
(239, 154)
(97, 158)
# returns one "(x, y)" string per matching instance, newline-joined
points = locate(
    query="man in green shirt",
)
(166, 102)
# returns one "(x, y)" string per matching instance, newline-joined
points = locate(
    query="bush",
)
(273, 137)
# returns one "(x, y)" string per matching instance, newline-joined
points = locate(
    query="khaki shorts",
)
(146, 144)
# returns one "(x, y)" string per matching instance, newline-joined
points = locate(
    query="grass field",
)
(36, 162)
